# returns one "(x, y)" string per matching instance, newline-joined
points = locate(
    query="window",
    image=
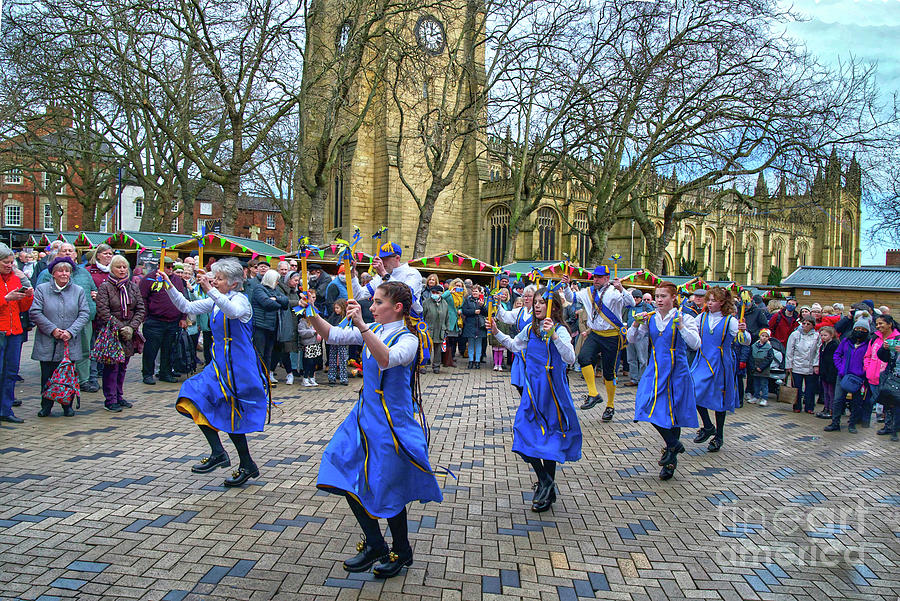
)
(270, 241)
(138, 207)
(174, 206)
(13, 215)
(548, 227)
(206, 208)
(337, 200)
(174, 227)
(583, 246)
(14, 176)
(48, 217)
(270, 221)
(104, 222)
(498, 220)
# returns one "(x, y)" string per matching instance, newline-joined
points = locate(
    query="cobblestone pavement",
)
(104, 506)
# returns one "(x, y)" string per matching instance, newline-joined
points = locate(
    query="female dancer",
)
(378, 457)
(520, 319)
(226, 395)
(713, 371)
(665, 394)
(546, 430)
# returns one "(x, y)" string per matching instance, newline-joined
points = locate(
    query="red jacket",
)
(781, 325)
(828, 320)
(9, 310)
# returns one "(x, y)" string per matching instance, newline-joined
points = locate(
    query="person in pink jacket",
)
(885, 329)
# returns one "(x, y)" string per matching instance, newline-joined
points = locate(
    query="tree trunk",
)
(230, 190)
(317, 215)
(599, 238)
(426, 212)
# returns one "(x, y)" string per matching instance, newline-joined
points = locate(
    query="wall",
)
(847, 297)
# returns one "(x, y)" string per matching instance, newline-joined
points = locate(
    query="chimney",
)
(892, 258)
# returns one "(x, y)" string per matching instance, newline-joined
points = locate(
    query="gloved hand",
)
(743, 365)
(126, 332)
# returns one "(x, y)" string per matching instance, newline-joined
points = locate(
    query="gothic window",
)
(548, 230)
(583, 245)
(751, 259)
(337, 199)
(802, 255)
(846, 241)
(778, 254)
(711, 253)
(498, 221)
(729, 252)
(688, 244)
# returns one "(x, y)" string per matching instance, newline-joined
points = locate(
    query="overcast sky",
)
(868, 29)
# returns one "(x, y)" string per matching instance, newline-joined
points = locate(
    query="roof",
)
(845, 278)
(135, 240)
(220, 244)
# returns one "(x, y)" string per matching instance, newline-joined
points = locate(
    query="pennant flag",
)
(245, 249)
(222, 242)
(450, 256)
(459, 260)
(359, 256)
(254, 255)
(424, 261)
(580, 271)
(333, 248)
(281, 258)
(481, 265)
(233, 246)
(321, 253)
(437, 261)
(473, 262)
(518, 277)
(553, 269)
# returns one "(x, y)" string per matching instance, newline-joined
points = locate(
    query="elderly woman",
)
(98, 267)
(60, 311)
(120, 304)
(286, 346)
(15, 298)
(231, 393)
(267, 301)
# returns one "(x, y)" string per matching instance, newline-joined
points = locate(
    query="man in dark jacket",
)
(695, 306)
(164, 321)
(319, 280)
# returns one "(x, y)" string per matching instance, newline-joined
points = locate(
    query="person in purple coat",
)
(851, 374)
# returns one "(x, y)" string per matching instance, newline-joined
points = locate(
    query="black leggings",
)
(372, 531)
(707, 423)
(239, 441)
(669, 435)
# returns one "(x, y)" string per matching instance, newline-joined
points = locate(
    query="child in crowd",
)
(827, 369)
(337, 353)
(761, 356)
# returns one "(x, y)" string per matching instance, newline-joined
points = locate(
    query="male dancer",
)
(389, 268)
(603, 304)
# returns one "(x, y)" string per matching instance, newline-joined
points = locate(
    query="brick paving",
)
(104, 506)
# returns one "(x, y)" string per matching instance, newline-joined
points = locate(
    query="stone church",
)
(371, 186)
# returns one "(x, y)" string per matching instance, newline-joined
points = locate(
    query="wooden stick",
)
(348, 278)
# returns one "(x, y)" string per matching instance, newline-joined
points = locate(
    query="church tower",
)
(422, 91)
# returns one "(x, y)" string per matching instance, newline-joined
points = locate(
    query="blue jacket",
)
(630, 312)
(266, 310)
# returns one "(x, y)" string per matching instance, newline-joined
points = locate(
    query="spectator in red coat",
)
(830, 316)
(784, 322)
(15, 297)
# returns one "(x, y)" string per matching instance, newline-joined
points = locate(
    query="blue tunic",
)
(665, 394)
(546, 424)
(379, 453)
(232, 392)
(713, 371)
(517, 374)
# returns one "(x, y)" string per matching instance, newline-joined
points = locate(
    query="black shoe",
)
(894, 437)
(149, 380)
(366, 557)
(125, 404)
(667, 472)
(884, 431)
(114, 408)
(591, 402)
(714, 445)
(703, 434)
(608, 413)
(880, 419)
(208, 464)
(435, 370)
(832, 428)
(168, 379)
(11, 419)
(68, 411)
(17, 403)
(851, 429)
(393, 564)
(44, 413)
(175, 374)
(824, 415)
(668, 454)
(241, 475)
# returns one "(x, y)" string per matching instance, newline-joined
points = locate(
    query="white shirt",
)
(402, 353)
(402, 273)
(612, 298)
(234, 305)
(713, 320)
(511, 317)
(688, 328)
(518, 344)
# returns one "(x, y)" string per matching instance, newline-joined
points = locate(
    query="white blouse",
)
(510, 317)
(518, 344)
(713, 320)
(234, 305)
(688, 329)
(402, 353)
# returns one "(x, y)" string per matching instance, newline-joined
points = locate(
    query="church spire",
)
(833, 171)
(761, 192)
(854, 178)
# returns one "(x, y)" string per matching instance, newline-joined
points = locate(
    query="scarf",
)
(457, 303)
(122, 286)
(103, 268)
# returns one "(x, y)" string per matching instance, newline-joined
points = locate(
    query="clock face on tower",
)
(429, 34)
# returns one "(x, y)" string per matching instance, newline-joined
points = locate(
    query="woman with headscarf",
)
(119, 304)
(60, 311)
(267, 302)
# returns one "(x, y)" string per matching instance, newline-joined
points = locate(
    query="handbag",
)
(137, 342)
(850, 382)
(62, 386)
(107, 348)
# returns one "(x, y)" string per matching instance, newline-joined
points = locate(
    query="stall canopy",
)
(455, 264)
(85, 239)
(38, 240)
(224, 245)
(137, 242)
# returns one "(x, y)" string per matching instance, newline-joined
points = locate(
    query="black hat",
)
(315, 266)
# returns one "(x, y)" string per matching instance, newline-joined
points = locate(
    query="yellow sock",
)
(610, 392)
(588, 372)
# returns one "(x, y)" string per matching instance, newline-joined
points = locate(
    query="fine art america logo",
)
(800, 536)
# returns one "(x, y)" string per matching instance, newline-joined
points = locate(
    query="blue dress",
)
(713, 371)
(517, 372)
(546, 424)
(665, 394)
(379, 453)
(232, 392)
